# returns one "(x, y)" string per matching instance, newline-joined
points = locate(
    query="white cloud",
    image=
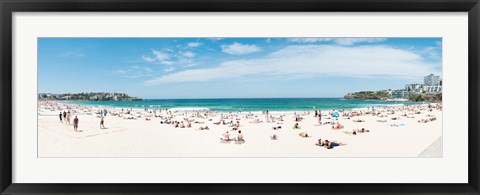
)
(190, 65)
(159, 57)
(309, 40)
(304, 61)
(432, 52)
(339, 41)
(148, 59)
(169, 69)
(194, 44)
(187, 54)
(240, 49)
(134, 72)
(351, 41)
(169, 57)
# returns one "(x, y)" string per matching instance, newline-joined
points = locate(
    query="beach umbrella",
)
(335, 114)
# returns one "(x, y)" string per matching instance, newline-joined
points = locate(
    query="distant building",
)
(432, 89)
(431, 80)
(388, 92)
(400, 94)
(414, 88)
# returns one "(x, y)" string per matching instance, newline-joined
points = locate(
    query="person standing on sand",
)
(319, 119)
(75, 123)
(60, 116)
(102, 121)
(64, 114)
(68, 117)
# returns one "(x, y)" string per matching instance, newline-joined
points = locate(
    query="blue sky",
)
(168, 68)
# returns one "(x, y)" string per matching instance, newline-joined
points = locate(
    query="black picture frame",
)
(7, 7)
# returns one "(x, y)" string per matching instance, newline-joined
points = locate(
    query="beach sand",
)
(141, 138)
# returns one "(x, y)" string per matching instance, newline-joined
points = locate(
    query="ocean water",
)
(245, 104)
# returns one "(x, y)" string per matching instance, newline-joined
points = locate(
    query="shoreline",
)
(233, 110)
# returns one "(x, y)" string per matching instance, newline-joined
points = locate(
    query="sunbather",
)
(303, 134)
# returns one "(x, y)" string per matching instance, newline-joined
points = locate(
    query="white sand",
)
(140, 138)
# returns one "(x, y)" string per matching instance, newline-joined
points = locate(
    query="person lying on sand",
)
(337, 126)
(296, 126)
(363, 130)
(358, 121)
(382, 121)
(203, 128)
(273, 137)
(423, 121)
(329, 144)
(298, 119)
(277, 128)
(303, 134)
(256, 121)
(354, 132)
(427, 120)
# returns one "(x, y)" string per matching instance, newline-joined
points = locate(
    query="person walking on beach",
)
(60, 116)
(102, 121)
(319, 119)
(64, 115)
(68, 117)
(75, 123)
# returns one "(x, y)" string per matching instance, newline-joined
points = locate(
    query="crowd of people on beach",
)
(232, 121)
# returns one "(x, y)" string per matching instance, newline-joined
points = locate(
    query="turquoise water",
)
(246, 104)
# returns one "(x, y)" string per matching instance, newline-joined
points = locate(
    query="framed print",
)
(240, 97)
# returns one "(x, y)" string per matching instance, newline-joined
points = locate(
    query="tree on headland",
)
(368, 95)
(425, 97)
